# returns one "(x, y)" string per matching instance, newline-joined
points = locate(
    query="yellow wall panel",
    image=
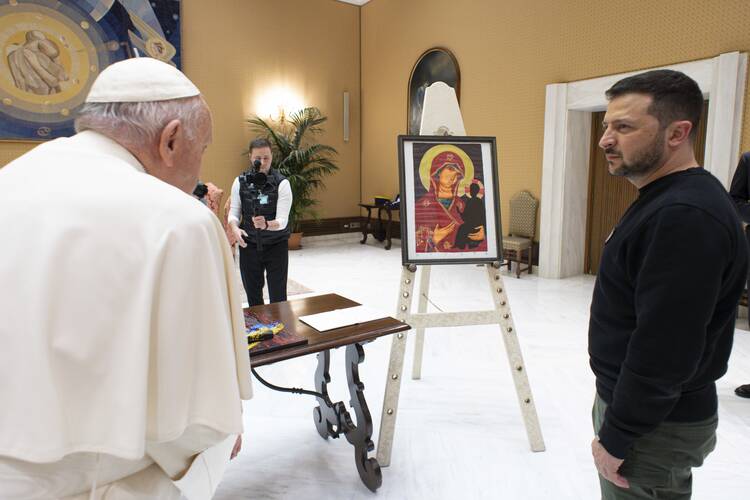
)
(238, 51)
(509, 50)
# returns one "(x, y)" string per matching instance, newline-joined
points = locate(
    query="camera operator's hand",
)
(260, 222)
(239, 235)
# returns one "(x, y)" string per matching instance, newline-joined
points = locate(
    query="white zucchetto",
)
(141, 79)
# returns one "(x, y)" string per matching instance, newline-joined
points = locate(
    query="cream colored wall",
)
(238, 50)
(508, 50)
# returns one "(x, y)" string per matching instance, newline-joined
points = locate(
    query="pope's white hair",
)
(140, 124)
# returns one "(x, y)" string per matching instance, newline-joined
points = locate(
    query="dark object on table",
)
(381, 201)
(396, 203)
(258, 337)
(281, 340)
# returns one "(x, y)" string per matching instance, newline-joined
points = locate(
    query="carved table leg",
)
(360, 436)
(333, 419)
(327, 414)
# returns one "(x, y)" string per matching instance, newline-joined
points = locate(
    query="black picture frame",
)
(474, 161)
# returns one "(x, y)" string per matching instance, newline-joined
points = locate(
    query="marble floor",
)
(459, 433)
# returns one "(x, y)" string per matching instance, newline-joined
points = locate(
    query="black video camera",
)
(255, 180)
(255, 177)
(200, 191)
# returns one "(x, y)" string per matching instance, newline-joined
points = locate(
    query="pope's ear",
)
(170, 141)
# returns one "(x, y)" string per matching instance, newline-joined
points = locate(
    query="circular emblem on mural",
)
(48, 65)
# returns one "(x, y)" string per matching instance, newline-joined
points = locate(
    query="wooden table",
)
(332, 419)
(379, 232)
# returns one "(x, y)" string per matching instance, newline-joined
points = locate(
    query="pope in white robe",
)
(123, 358)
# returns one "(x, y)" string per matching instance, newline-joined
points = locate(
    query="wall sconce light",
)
(278, 102)
(346, 116)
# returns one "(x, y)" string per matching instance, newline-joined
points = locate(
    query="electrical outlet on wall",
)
(352, 225)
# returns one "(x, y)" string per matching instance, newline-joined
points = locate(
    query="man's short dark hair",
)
(675, 95)
(260, 143)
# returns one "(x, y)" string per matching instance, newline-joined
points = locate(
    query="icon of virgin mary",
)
(439, 213)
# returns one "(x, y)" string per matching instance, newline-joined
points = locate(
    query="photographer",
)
(258, 215)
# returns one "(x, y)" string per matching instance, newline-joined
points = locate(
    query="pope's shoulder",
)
(89, 173)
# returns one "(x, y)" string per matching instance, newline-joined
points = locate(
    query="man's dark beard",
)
(644, 162)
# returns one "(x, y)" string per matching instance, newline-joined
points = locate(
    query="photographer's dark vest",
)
(267, 200)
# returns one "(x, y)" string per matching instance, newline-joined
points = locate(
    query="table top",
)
(289, 312)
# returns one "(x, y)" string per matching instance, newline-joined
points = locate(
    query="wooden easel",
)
(500, 315)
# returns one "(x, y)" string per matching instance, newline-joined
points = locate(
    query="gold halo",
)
(426, 163)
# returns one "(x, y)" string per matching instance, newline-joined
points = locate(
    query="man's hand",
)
(239, 235)
(260, 222)
(607, 465)
(440, 233)
(477, 235)
(237, 447)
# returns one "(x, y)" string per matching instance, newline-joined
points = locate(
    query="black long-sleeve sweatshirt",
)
(664, 306)
(740, 188)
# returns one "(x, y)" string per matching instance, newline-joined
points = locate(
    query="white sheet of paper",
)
(342, 317)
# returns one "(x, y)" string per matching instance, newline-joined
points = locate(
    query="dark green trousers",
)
(659, 465)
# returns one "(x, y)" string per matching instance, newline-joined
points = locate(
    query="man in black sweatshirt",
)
(740, 193)
(664, 303)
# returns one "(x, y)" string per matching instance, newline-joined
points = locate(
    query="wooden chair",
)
(523, 211)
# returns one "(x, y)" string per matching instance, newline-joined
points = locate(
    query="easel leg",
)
(515, 360)
(395, 369)
(424, 287)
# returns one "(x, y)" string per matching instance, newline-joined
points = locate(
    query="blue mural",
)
(52, 51)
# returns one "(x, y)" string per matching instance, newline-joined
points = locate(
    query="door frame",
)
(567, 144)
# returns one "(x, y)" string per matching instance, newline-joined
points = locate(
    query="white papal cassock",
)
(122, 346)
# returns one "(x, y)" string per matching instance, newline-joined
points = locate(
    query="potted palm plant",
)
(301, 160)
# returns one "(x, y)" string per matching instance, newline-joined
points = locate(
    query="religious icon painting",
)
(52, 51)
(450, 206)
